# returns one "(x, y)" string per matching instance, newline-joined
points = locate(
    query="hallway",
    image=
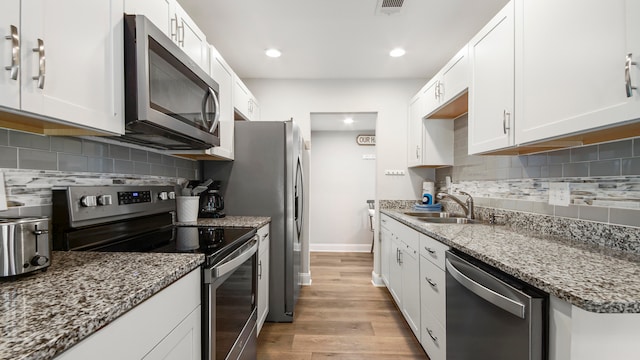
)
(341, 316)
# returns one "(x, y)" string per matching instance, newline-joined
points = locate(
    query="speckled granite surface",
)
(45, 313)
(594, 278)
(230, 221)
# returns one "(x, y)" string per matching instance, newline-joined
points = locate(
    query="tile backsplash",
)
(32, 164)
(604, 179)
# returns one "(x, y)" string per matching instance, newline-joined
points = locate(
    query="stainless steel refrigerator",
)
(266, 179)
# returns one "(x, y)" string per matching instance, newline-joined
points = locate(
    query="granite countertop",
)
(593, 278)
(230, 221)
(45, 313)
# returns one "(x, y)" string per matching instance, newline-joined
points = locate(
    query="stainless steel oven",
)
(140, 219)
(230, 319)
(170, 102)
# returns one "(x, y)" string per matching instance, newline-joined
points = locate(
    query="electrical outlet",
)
(560, 194)
(394, 172)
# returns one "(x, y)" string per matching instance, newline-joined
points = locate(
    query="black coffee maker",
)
(211, 202)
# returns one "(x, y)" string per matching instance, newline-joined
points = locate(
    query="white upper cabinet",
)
(430, 141)
(244, 102)
(449, 84)
(9, 54)
(570, 66)
(491, 94)
(173, 20)
(223, 75)
(414, 131)
(70, 62)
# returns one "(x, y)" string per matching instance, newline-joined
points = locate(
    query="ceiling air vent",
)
(389, 7)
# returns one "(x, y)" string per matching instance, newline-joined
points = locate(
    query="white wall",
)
(297, 99)
(341, 184)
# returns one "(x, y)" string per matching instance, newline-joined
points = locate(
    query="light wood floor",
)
(341, 316)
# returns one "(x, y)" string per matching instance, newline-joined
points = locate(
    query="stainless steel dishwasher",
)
(491, 315)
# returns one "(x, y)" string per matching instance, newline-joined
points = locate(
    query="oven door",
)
(229, 306)
(171, 103)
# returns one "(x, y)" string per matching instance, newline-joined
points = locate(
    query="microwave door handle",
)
(216, 117)
(210, 125)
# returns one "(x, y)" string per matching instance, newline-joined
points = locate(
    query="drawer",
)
(410, 237)
(433, 250)
(433, 337)
(433, 290)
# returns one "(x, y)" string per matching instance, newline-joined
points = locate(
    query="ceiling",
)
(364, 121)
(338, 39)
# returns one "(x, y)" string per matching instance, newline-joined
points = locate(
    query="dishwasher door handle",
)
(491, 296)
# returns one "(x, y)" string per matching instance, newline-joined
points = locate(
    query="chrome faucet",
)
(468, 207)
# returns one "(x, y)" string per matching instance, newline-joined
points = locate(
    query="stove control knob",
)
(104, 200)
(39, 260)
(172, 195)
(163, 195)
(88, 201)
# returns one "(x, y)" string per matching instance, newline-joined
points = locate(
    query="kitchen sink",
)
(428, 215)
(449, 220)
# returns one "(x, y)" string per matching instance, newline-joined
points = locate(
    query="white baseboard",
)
(340, 247)
(305, 278)
(376, 280)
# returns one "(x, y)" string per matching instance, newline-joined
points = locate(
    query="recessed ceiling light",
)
(348, 121)
(397, 52)
(274, 53)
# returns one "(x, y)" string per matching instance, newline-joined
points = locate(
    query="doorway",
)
(343, 179)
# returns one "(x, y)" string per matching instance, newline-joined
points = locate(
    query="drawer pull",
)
(434, 285)
(434, 338)
(430, 250)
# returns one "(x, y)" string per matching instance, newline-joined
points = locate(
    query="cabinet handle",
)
(435, 91)
(260, 269)
(15, 53)
(506, 115)
(265, 236)
(429, 250)
(417, 151)
(399, 257)
(440, 89)
(41, 64)
(180, 29)
(627, 75)
(434, 285)
(434, 338)
(174, 27)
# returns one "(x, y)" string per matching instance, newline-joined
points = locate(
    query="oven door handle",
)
(234, 260)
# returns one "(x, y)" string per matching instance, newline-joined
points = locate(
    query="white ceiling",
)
(365, 122)
(338, 39)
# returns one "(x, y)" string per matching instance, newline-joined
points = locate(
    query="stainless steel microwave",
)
(170, 102)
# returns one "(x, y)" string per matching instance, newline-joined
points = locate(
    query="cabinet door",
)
(160, 12)
(431, 96)
(241, 98)
(76, 75)
(192, 39)
(491, 95)
(182, 343)
(571, 76)
(263, 275)
(395, 271)
(223, 75)
(411, 288)
(455, 76)
(9, 54)
(414, 131)
(385, 252)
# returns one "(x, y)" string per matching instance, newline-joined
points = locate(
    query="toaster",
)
(25, 245)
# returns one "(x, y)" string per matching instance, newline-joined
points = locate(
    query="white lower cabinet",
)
(433, 338)
(263, 275)
(165, 326)
(410, 263)
(416, 281)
